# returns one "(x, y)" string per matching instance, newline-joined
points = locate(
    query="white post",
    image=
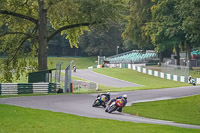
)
(117, 50)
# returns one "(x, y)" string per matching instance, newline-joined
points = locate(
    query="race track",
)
(81, 104)
(103, 79)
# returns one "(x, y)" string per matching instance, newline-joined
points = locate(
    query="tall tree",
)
(140, 13)
(102, 42)
(164, 27)
(189, 13)
(174, 24)
(26, 21)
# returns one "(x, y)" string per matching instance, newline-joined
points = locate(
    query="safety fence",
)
(28, 88)
(161, 74)
(141, 68)
(175, 69)
(77, 84)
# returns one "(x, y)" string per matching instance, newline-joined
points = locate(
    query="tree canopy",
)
(165, 24)
(26, 34)
(102, 42)
(140, 14)
(28, 28)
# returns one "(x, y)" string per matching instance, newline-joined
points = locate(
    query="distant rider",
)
(191, 80)
(74, 68)
(123, 98)
(105, 97)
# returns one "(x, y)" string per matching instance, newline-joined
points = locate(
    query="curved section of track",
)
(81, 104)
(103, 79)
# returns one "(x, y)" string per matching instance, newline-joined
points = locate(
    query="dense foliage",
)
(26, 31)
(29, 28)
(165, 24)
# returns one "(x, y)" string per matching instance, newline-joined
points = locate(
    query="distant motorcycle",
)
(192, 81)
(74, 68)
(114, 106)
(99, 102)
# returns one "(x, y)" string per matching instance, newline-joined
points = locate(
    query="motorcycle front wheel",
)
(96, 103)
(112, 108)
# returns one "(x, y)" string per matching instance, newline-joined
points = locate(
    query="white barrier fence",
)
(28, 88)
(140, 68)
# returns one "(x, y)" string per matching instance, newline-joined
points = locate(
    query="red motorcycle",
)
(115, 106)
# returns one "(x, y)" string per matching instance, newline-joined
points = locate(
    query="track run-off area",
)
(81, 104)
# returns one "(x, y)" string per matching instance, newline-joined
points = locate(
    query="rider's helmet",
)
(190, 77)
(124, 96)
(108, 93)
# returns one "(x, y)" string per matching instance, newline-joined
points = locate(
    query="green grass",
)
(182, 110)
(76, 78)
(193, 74)
(23, 79)
(149, 82)
(80, 62)
(102, 88)
(25, 120)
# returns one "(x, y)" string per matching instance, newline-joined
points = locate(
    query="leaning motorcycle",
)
(99, 102)
(115, 106)
(74, 69)
(193, 82)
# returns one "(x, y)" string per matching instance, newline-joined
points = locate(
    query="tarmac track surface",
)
(81, 104)
(102, 79)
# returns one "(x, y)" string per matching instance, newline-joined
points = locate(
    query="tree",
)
(164, 27)
(189, 13)
(102, 42)
(140, 13)
(174, 24)
(26, 21)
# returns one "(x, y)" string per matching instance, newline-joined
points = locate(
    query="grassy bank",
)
(22, 120)
(149, 82)
(182, 110)
(80, 62)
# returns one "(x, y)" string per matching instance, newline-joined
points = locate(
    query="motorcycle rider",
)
(106, 98)
(74, 68)
(123, 98)
(191, 80)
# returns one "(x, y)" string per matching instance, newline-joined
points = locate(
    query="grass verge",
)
(182, 110)
(25, 120)
(149, 82)
(81, 62)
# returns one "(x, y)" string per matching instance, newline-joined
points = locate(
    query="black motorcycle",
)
(99, 102)
(192, 81)
(74, 69)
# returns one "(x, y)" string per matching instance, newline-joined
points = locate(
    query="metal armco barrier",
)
(28, 88)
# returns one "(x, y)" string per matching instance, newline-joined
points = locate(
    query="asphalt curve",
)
(102, 79)
(81, 104)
